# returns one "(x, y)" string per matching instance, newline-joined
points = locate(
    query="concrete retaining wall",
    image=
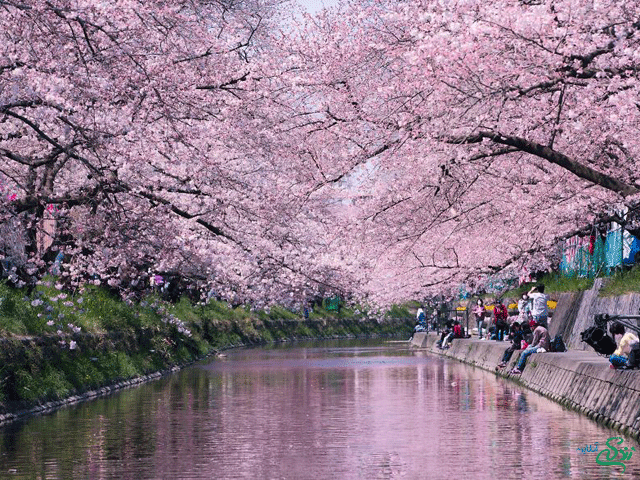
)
(575, 311)
(578, 379)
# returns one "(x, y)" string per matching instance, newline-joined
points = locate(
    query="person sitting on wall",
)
(456, 332)
(421, 322)
(541, 343)
(500, 319)
(448, 328)
(516, 338)
(527, 333)
(624, 340)
(539, 308)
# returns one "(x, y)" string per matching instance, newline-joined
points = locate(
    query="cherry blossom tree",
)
(384, 149)
(124, 140)
(477, 134)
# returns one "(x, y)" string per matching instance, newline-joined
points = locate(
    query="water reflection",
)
(333, 410)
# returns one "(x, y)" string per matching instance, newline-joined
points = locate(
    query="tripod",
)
(601, 320)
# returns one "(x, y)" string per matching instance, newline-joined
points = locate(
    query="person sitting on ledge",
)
(448, 328)
(455, 333)
(620, 356)
(541, 343)
(527, 333)
(421, 324)
(516, 337)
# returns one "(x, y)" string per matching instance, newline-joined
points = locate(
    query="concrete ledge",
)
(579, 380)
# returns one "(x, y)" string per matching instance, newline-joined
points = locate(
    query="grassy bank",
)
(56, 344)
(620, 283)
(553, 283)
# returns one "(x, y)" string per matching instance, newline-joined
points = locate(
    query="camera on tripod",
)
(597, 336)
(601, 320)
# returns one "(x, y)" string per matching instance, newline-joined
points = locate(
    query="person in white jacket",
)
(539, 309)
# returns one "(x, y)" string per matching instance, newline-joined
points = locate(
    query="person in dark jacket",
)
(527, 333)
(448, 328)
(455, 333)
(516, 336)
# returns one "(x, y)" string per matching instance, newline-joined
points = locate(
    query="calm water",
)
(338, 410)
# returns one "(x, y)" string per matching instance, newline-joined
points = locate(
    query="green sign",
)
(332, 303)
(615, 456)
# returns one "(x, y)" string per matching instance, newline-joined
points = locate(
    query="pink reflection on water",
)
(374, 411)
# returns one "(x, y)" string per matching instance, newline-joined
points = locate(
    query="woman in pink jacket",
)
(479, 312)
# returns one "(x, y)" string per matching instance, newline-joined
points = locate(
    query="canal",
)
(341, 409)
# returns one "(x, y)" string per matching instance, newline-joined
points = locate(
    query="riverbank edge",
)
(262, 335)
(578, 380)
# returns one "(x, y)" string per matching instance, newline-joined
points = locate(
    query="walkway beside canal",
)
(580, 380)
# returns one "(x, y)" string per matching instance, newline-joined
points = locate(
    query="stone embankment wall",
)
(580, 378)
(575, 311)
(577, 379)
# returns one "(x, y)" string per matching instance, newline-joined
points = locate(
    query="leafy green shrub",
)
(26, 386)
(279, 313)
(554, 283)
(108, 312)
(303, 330)
(114, 366)
(82, 372)
(397, 311)
(54, 384)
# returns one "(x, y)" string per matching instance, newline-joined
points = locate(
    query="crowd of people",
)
(528, 332)
(531, 307)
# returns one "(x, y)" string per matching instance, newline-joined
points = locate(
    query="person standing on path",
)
(524, 309)
(501, 315)
(479, 312)
(539, 309)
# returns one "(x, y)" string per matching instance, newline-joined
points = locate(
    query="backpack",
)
(557, 344)
(634, 356)
(598, 339)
